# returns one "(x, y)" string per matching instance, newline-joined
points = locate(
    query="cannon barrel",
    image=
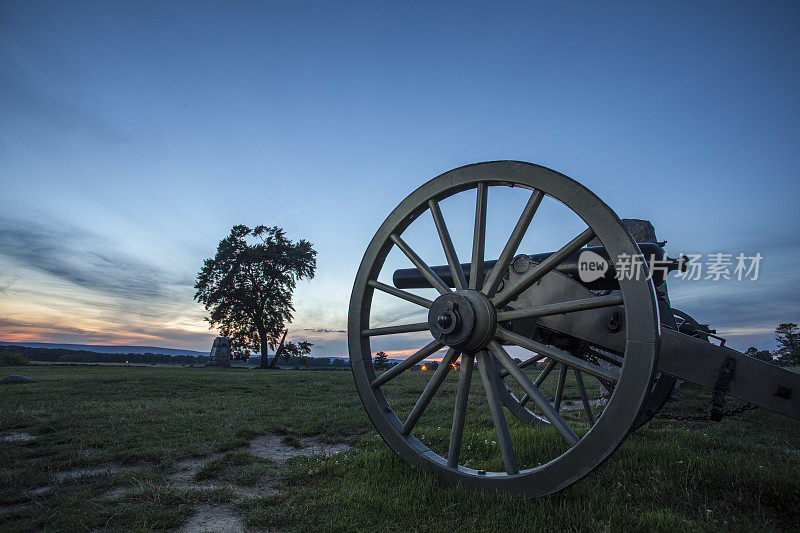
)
(411, 278)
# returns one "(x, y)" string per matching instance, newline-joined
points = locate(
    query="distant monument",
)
(220, 353)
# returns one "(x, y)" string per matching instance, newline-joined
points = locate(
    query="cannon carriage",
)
(618, 331)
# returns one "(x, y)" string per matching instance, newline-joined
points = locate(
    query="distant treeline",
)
(62, 355)
(314, 363)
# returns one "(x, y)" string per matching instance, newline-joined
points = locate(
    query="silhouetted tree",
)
(247, 287)
(763, 355)
(299, 350)
(788, 337)
(380, 361)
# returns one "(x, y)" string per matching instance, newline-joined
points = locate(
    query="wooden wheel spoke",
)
(490, 286)
(536, 273)
(435, 281)
(551, 364)
(562, 379)
(490, 385)
(478, 239)
(392, 330)
(404, 365)
(562, 307)
(460, 411)
(405, 295)
(584, 397)
(459, 280)
(524, 364)
(559, 355)
(430, 390)
(534, 394)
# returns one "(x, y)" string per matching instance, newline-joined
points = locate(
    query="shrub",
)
(13, 358)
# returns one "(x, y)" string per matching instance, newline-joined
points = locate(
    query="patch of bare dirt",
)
(10, 508)
(184, 479)
(115, 493)
(189, 467)
(272, 447)
(81, 472)
(17, 437)
(220, 518)
(578, 404)
(213, 519)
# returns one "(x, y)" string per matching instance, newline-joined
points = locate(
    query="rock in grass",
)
(16, 378)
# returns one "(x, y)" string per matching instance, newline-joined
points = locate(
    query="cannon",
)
(411, 278)
(614, 330)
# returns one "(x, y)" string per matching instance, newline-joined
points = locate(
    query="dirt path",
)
(205, 518)
(221, 518)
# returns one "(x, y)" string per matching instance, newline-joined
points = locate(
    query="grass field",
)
(103, 448)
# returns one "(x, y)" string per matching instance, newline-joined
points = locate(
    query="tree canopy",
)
(763, 355)
(787, 336)
(247, 287)
(381, 361)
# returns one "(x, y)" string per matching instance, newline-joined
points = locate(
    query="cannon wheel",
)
(485, 338)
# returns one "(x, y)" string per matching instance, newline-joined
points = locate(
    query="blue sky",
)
(133, 135)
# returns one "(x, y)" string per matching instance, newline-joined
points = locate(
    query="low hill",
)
(96, 348)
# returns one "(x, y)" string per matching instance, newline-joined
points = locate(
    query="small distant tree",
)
(287, 350)
(300, 350)
(763, 355)
(788, 337)
(381, 361)
(433, 365)
(247, 287)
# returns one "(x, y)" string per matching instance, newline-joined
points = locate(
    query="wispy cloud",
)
(12, 330)
(61, 283)
(79, 257)
(745, 311)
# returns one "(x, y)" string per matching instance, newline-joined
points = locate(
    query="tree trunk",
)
(279, 350)
(264, 355)
(262, 337)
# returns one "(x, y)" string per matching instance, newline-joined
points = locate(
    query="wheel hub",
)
(464, 320)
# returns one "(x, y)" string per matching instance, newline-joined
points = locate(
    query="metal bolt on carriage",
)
(618, 331)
